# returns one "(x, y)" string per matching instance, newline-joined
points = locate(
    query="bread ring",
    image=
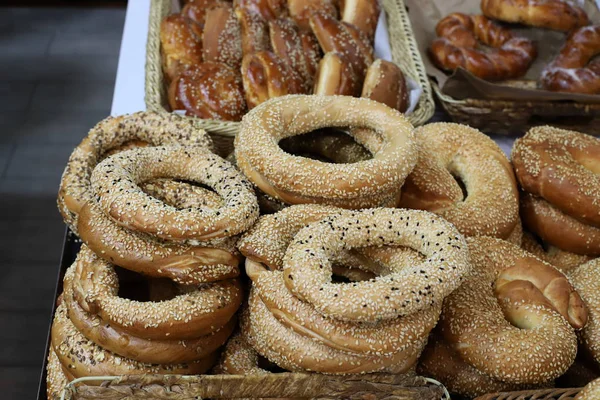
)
(115, 181)
(308, 272)
(239, 358)
(571, 70)
(590, 392)
(585, 279)
(456, 46)
(198, 312)
(345, 39)
(557, 228)
(549, 14)
(56, 380)
(563, 167)
(292, 179)
(563, 260)
(295, 352)
(474, 318)
(302, 10)
(296, 48)
(336, 76)
(265, 76)
(383, 338)
(385, 83)
(208, 91)
(82, 357)
(140, 349)
(490, 206)
(180, 43)
(222, 39)
(113, 132)
(364, 14)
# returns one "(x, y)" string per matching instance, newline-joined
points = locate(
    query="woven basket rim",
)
(399, 28)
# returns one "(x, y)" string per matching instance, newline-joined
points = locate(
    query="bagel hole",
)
(178, 199)
(324, 145)
(461, 185)
(269, 366)
(137, 287)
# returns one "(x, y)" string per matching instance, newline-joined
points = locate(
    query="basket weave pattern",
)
(405, 54)
(544, 394)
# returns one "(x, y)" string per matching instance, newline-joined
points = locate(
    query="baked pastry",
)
(180, 43)
(364, 14)
(208, 91)
(221, 39)
(267, 9)
(336, 76)
(196, 11)
(301, 10)
(386, 84)
(573, 70)
(254, 31)
(457, 42)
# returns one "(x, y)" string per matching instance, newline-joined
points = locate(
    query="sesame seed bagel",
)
(307, 265)
(56, 379)
(563, 167)
(490, 206)
(180, 261)
(82, 357)
(239, 358)
(199, 311)
(558, 228)
(116, 183)
(295, 352)
(513, 309)
(110, 133)
(382, 338)
(590, 392)
(139, 349)
(563, 260)
(295, 179)
(586, 279)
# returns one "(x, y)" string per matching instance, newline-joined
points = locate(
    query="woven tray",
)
(516, 117)
(405, 54)
(545, 394)
(283, 385)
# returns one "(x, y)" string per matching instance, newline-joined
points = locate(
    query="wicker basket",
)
(283, 385)
(405, 53)
(545, 394)
(506, 117)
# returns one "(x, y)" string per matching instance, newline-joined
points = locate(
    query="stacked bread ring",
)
(514, 308)
(220, 59)
(558, 172)
(366, 326)
(169, 213)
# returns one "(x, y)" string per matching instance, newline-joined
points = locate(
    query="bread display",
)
(381, 248)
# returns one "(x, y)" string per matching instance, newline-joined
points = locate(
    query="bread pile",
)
(461, 40)
(402, 254)
(221, 59)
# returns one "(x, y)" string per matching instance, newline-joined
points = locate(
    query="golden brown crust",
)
(344, 39)
(208, 91)
(181, 45)
(550, 14)
(221, 39)
(265, 76)
(385, 83)
(292, 179)
(110, 133)
(557, 228)
(267, 9)
(363, 14)
(586, 280)
(302, 10)
(456, 46)
(562, 167)
(196, 11)
(197, 312)
(475, 322)
(571, 70)
(115, 182)
(563, 260)
(239, 358)
(335, 76)
(56, 380)
(490, 206)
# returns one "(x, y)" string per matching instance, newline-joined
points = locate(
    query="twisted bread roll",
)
(559, 15)
(196, 11)
(385, 83)
(265, 76)
(209, 91)
(335, 76)
(181, 44)
(254, 31)
(301, 10)
(456, 46)
(572, 70)
(267, 9)
(221, 39)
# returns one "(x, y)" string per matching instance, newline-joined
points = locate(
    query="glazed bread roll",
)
(335, 76)
(221, 40)
(386, 84)
(363, 14)
(181, 45)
